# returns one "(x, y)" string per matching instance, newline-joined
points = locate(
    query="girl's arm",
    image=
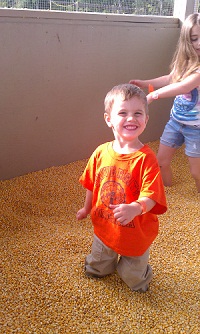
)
(177, 88)
(156, 83)
(82, 213)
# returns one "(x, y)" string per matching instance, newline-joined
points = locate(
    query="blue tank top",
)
(186, 108)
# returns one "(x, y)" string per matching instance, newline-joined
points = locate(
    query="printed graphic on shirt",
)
(112, 183)
(112, 173)
(112, 193)
(184, 107)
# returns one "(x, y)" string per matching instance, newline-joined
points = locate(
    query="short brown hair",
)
(126, 92)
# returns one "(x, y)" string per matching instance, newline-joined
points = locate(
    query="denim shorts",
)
(176, 134)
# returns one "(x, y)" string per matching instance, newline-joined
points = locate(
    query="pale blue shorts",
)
(176, 134)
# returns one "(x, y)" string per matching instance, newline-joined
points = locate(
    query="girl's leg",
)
(102, 261)
(164, 156)
(171, 139)
(195, 170)
(192, 150)
(135, 271)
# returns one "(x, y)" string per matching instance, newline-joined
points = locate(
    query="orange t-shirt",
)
(123, 178)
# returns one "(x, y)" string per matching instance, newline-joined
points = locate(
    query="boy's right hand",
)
(81, 214)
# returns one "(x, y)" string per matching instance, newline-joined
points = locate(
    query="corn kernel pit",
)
(43, 247)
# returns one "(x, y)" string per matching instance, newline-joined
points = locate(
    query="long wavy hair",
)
(185, 60)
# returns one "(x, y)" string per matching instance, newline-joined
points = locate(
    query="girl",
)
(184, 83)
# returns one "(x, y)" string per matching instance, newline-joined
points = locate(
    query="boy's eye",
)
(122, 113)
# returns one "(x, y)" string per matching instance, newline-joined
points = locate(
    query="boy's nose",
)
(130, 118)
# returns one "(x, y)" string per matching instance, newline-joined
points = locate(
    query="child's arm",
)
(82, 213)
(124, 213)
(156, 82)
(177, 88)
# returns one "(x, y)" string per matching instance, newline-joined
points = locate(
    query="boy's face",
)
(128, 119)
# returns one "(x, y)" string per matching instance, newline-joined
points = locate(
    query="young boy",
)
(124, 193)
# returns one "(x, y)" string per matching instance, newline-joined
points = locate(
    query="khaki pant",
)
(133, 270)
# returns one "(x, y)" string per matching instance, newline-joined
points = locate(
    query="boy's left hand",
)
(124, 213)
(149, 98)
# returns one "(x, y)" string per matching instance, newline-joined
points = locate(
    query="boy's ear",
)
(107, 119)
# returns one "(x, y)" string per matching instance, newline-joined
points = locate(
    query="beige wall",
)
(56, 69)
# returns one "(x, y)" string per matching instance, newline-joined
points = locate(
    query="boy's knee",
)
(137, 277)
(136, 280)
(102, 261)
(99, 269)
(91, 269)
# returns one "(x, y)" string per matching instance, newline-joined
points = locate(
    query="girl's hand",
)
(125, 213)
(81, 214)
(139, 83)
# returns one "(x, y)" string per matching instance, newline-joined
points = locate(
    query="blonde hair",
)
(125, 92)
(185, 60)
